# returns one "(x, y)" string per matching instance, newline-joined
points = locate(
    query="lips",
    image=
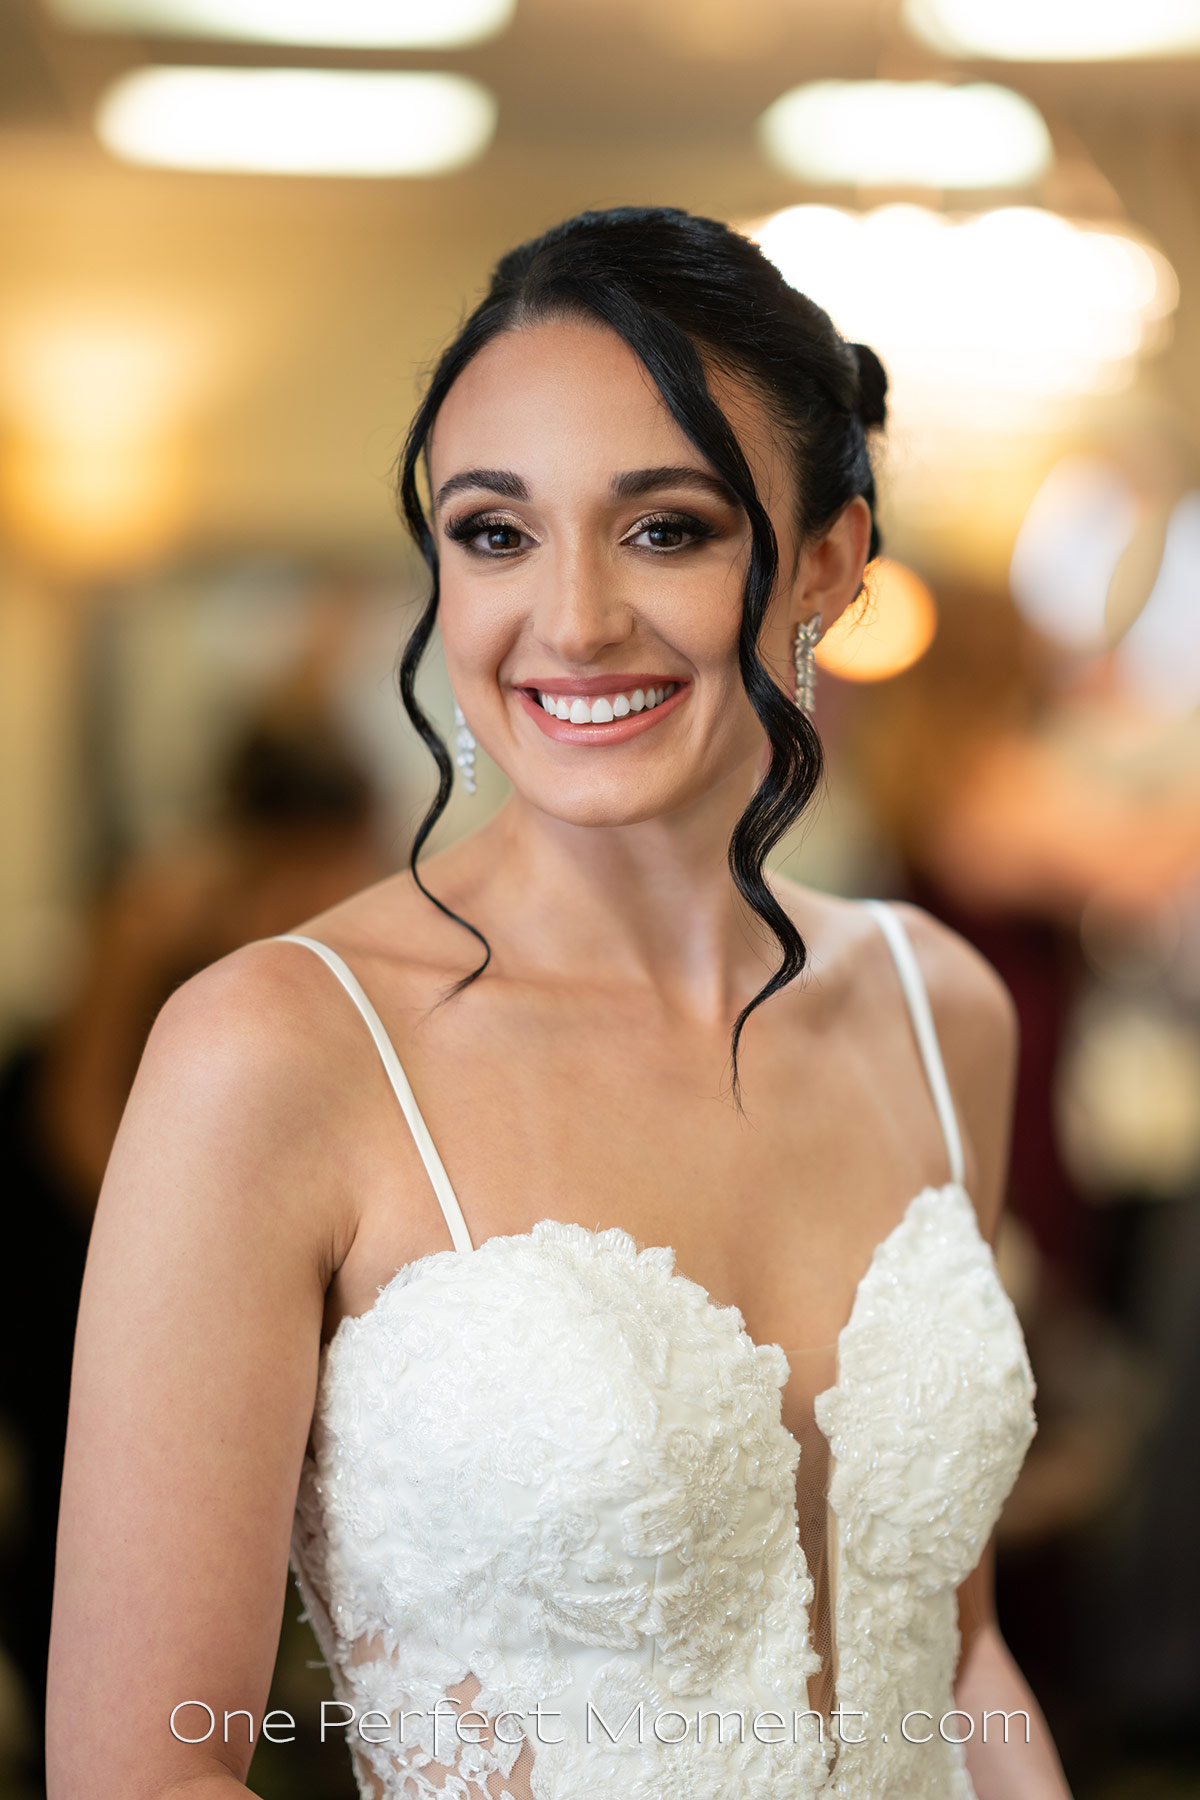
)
(601, 710)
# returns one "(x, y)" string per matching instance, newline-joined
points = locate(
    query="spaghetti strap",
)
(917, 997)
(434, 1168)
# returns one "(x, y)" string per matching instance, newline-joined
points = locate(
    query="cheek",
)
(700, 616)
(480, 621)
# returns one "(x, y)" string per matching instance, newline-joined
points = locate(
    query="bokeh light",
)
(1055, 30)
(1067, 550)
(1159, 656)
(907, 134)
(297, 121)
(352, 24)
(91, 478)
(981, 318)
(887, 634)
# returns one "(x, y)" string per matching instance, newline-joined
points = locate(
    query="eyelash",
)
(465, 530)
(697, 529)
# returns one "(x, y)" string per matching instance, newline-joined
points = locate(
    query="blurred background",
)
(233, 234)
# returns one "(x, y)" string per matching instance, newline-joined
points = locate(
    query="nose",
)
(580, 610)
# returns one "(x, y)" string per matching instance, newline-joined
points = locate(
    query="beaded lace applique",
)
(550, 1480)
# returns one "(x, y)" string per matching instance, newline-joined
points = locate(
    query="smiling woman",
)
(671, 1475)
(699, 310)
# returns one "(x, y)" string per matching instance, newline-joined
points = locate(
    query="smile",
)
(605, 707)
(601, 714)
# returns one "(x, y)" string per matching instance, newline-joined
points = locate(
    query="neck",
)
(651, 905)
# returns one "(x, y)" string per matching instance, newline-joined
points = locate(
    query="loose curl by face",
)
(684, 292)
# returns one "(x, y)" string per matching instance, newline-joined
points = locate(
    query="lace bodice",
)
(548, 1531)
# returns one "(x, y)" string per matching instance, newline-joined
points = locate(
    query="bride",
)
(633, 1394)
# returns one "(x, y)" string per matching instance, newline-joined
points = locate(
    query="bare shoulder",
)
(976, 1022)
(240, 1103)
(973, 1012)
(965, 992)
(254, 1024)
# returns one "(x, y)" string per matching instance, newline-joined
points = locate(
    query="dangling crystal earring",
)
(465, 756)
(807, 636)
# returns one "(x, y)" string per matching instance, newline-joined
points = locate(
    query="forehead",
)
(569, 399)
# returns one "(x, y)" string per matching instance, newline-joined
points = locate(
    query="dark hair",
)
(682, 290)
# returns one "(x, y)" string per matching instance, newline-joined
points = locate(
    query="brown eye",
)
(668, 533)
(485, 536)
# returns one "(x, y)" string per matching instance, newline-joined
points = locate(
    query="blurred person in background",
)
(293, 830)
(537, 1467)
(1062, 837)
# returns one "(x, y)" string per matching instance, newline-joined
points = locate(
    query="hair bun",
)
(872, 386)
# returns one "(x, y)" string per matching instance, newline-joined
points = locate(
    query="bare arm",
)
(219, 1223)
(978, 1029)
(1011, 1756)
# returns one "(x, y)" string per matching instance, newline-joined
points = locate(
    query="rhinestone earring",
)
(807, 636)
(464, 758)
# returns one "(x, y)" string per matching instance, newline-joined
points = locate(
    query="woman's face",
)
(592, 567)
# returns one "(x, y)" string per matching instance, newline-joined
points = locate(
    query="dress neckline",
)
(916, 999)
(407, 1273)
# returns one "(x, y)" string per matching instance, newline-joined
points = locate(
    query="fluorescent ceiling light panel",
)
(907, 134)
(349, 24)
(297, 121)
(1055, 30)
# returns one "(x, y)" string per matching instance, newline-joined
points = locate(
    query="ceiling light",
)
(352, 24)
(1055, 30)
(981, 318)
(297, 121)
(889, 635)
(907, 134)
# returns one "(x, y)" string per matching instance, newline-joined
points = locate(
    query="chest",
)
(618, 1118)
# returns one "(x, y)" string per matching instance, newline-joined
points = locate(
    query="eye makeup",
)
(696, 529)
(468, 527)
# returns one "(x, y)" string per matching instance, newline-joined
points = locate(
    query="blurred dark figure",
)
(1018, 794)
(293, 832)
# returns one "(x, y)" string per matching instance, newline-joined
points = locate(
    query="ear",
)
(830, 568)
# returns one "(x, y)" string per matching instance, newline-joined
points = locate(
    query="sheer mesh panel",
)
(812, 1372)
(414, 1768)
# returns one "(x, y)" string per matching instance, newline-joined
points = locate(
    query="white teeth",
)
(605, 707)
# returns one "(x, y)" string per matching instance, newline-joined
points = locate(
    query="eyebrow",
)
(636, 482)
(630, 485)
(495, 481)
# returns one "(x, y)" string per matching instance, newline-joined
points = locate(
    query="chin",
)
(602, 805)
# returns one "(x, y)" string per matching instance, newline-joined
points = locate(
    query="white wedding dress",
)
(554, 1537)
